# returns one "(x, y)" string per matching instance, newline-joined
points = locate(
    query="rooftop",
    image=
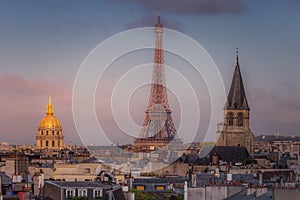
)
(78, 184)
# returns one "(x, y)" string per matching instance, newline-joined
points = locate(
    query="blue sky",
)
(43, 43)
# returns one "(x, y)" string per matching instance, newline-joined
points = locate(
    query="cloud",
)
(194, 7)
(23, 104)
(149, 21)
(16, 85)
(272, 113)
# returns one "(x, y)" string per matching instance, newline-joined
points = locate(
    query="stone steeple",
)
(236, 99)
(235, 130)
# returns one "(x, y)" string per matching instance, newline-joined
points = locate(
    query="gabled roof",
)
(236, 99)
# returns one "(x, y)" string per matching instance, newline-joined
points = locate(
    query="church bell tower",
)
(235, 130)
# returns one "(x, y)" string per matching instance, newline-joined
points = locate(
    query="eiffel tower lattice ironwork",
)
(158, 124)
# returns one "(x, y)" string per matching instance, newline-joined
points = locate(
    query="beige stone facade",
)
(235, 130)
(49, 134)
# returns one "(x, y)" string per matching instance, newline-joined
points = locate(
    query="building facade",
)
(235, 130)
(64, 190)
(49, 134)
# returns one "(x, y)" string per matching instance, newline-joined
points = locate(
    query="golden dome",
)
(50, 121)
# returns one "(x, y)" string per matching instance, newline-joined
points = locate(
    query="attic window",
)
(82, 193)
(98, 193)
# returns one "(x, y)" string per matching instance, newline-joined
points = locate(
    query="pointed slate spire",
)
(236, 99)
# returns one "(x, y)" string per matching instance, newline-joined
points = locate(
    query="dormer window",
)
(70, 193)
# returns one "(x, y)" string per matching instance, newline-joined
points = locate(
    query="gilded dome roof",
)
(49, 121)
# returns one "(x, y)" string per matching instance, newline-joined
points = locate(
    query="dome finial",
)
(50, 110)
(49, 100)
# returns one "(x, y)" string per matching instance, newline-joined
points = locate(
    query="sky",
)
(43, 44)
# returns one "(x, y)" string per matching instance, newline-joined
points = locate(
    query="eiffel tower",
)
(158, 128)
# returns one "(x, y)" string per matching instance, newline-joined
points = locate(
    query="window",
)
(230, 119)
(140, 187)
(46, 132)
(240, 119)
(82, 193)
(58, 143)
(70, 193)
(160, 187)
(53, 143)
(47, 143)
(52, 132)
(87, 170)
(98, 193)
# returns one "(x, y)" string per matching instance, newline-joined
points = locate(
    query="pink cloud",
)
(23, 104)
(272, 113)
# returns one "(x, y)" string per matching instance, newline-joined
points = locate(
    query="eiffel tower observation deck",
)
(158, 128)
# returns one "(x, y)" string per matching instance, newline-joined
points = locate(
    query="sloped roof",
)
(225, 153)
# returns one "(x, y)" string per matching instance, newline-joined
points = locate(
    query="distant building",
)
(49, 134)
(155, 184)
(223, 154)
(235, 130)
(253, 193)
(81, 190)
(14, 164)
(5, 183)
